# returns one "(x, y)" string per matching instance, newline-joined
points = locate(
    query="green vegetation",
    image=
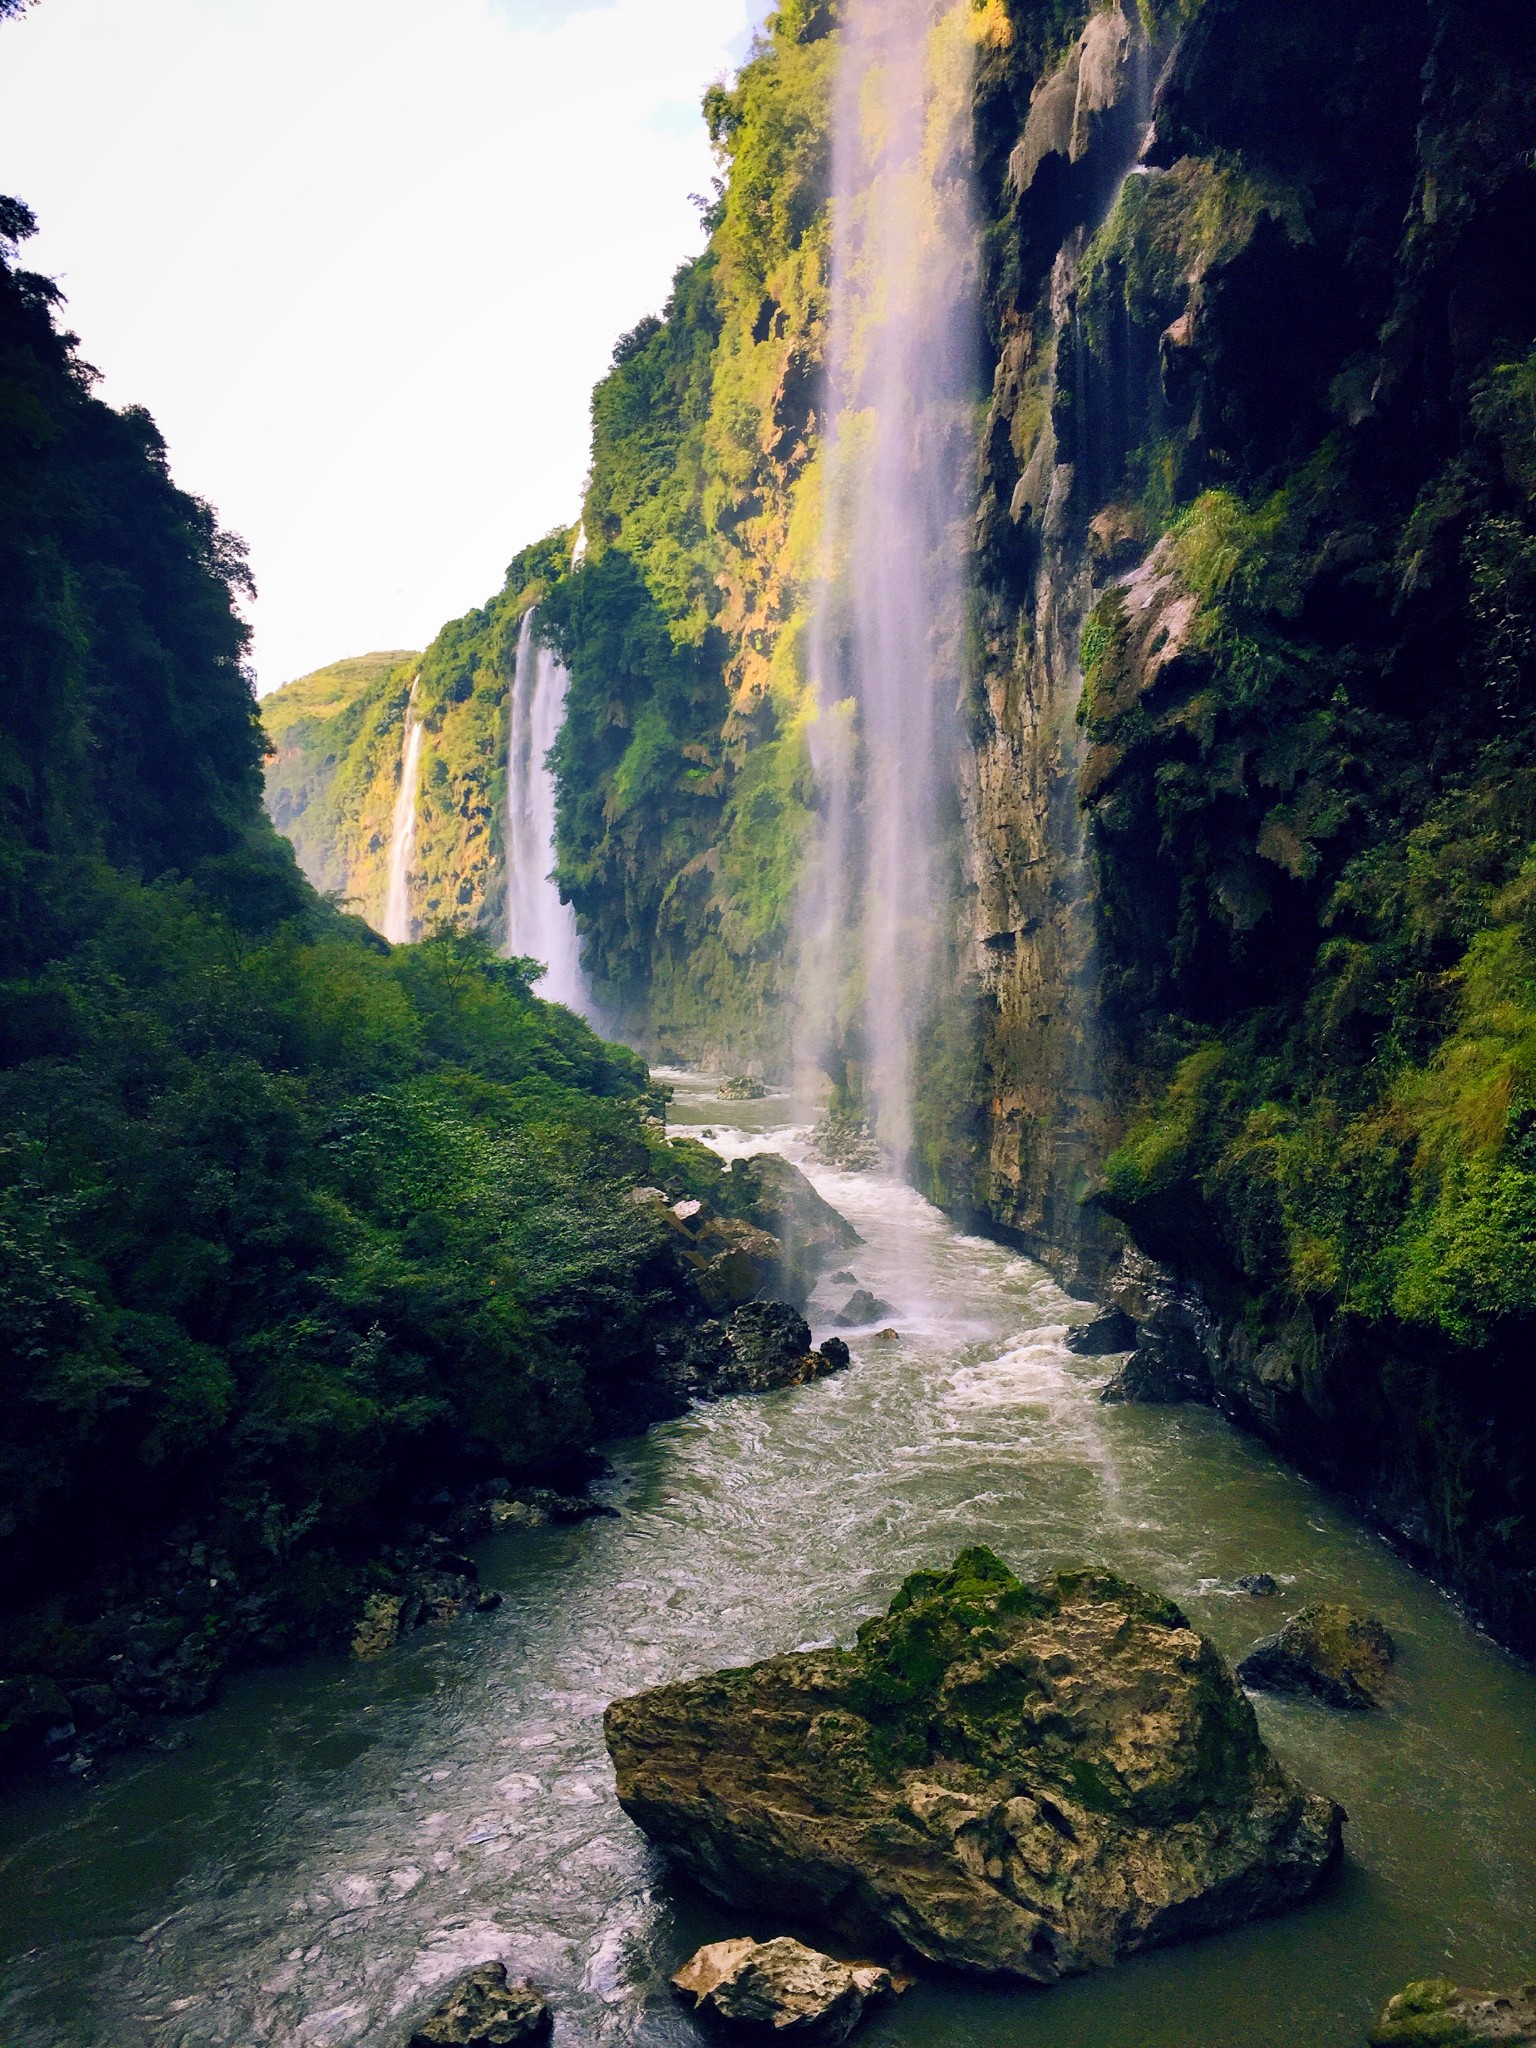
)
(293, 1227)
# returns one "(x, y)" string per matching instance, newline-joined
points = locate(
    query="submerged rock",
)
(1327, 1650)
(1111, 1330)
(1435, 2013)
(1261, 1585)
(485, 2011)
(1023, 1781)
(781, 1988)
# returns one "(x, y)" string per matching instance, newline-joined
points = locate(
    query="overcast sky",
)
(363, 260)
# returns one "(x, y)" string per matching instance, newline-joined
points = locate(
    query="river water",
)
(333, 1840)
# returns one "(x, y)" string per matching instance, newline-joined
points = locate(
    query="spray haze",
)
(887, 636)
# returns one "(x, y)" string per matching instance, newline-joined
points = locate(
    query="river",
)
(332, 1840)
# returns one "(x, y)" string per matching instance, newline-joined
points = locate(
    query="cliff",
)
(1236, 968)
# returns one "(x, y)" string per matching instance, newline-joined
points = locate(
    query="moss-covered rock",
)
(1434, 2013)
(1328, 1650)
(1018, 1780)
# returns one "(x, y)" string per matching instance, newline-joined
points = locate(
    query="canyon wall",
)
(1239, 964)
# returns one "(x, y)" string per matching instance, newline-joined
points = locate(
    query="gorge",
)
(1038, 699)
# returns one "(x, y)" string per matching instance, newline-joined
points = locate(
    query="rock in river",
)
(1334, 1653)
(485, 2011)
(1023, 1781)
(781, 1988)
(1435, 2014)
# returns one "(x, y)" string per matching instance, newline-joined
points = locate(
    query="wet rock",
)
(773, 1195)
(1111, 1330)
(835, 1352)
(1260, 1585)
(845, 1279)
(1327, 1650)
(1023, 1781)
(1176, 1336)
(844, 1142)
(1435, 2013)
(862, 1307)
(34, 1716)
(735, 1262)
(485, 2011)
(781, 1988)
(742, 1088)
(379, 1626)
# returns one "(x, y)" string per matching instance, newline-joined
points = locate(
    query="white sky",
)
(364, 260)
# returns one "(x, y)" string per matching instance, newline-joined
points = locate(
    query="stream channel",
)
(333, 1840)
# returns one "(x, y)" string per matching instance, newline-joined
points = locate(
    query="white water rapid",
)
(539, 925)
(399, 925)
(886, 646)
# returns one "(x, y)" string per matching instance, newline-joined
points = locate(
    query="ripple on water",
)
(335, 1841)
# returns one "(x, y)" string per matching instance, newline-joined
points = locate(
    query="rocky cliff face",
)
(1251, 819)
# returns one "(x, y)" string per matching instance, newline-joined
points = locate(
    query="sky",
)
(364, 260)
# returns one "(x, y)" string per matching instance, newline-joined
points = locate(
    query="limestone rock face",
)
(1022, 1781)
(1435, 2014)
(1328, 1650)
(781, 1988)
(485, 2011)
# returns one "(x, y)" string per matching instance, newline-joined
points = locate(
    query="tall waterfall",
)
(399, 925)
(887, 638)
(539, 925)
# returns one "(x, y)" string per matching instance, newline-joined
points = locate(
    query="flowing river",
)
(333, 1840)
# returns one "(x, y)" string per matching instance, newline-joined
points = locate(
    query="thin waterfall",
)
(539, 925)
(887, 639)
(399, 925)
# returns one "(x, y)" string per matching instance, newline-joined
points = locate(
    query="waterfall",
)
(399, 925)
(886, 643)
(539, 925)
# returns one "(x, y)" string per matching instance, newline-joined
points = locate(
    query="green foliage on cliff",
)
(292, 1226)
(337, 739)
(1309, 785)
(684, 783)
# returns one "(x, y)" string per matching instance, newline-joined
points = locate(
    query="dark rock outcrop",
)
(861, 1307)
(1327, 1650)
(765, 1344)
(1435, 2013)
(781, 1989)
(1261, 1585)
(1110, 1331)
(485, 2011)
(1022, 1781)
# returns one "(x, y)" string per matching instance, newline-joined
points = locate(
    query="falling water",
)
(399, 925)
(886, 644)
(539, 925)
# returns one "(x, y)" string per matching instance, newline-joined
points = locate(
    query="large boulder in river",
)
(1328, 1650)
(1435, 2013)
(1018, 1780)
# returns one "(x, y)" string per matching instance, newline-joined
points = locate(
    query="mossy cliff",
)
(1262, 452)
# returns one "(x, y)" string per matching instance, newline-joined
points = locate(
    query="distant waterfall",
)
(886, 646)
(539, 925)
(399, 925)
